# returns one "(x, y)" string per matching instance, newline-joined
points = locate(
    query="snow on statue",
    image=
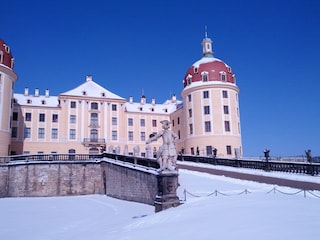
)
(167, 154)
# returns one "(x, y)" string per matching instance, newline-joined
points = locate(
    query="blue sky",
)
(130, 47)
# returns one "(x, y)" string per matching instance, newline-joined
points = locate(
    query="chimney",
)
(131, 99)
(26, 91)
(153, 101)
(47, 92)
(88, 78)
(36, 92)
(173, 98)
(143, 99)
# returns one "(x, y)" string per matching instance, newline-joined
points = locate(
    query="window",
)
(41, 133)
(114, 135)
(94, 119)
(130, 136)
(206, 110)
(28, 117)
(205, 94)
(114, 107)
(73, 104)
(189, 98)
(54, 133)
(190, 112)
(72, 134)
(226, 109)
(73, 118)
(204, 76)
(15, 116)
(228, 148)
(94, 105)
(191, 128)
(207, 126)
(41, 117)
(224, 94)
(178, 120)
(94, 135)
(223, 76)
(142, 122)
(27, 132)
(114, 121)
(154, 123)
(195, 70)
(130, 121)
(227, 126)
(54, 117)
(142, 136)
(14, 132)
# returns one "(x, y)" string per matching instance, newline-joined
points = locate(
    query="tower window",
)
(226, 109)
(207, 126)
(227, 126)
(206, 110)
(191, 128)
(224, 94)
(205, 94)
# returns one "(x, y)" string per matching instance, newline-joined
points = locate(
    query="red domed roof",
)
(5, 55)
(209, 69)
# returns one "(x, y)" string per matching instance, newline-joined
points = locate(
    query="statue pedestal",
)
(167, 191)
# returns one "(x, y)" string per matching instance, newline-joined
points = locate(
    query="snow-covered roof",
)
(206, 60)
(32, 100)
(167, 107)
(91, 89)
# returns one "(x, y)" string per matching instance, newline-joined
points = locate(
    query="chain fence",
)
(246, 191)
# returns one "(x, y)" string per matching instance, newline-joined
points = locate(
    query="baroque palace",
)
(91, 119)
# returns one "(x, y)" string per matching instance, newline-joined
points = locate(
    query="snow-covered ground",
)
(216, 207)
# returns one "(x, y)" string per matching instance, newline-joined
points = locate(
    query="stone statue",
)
(167, 154)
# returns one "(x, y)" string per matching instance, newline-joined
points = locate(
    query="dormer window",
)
(223, 76)
(204, 76)
(141, 108)
(103, 94)
(195, 69)
(165, 110)
(29, 101)
(1, 57)
(189, 79)
(229, 69)
(43, 102)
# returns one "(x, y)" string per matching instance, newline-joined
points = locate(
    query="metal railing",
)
(291, 167)
(270, 165)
